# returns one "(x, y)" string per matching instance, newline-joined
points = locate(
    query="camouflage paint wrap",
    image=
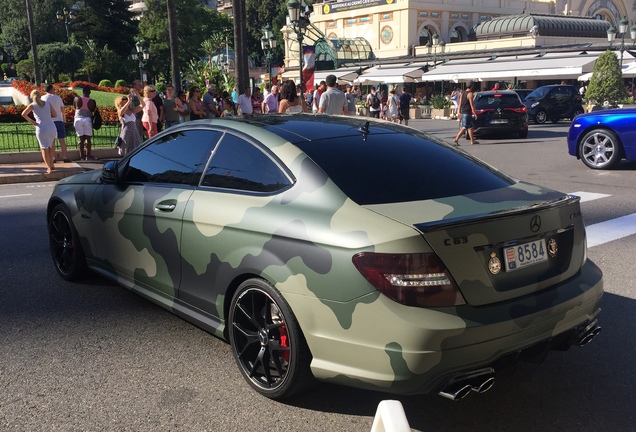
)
(302, 241)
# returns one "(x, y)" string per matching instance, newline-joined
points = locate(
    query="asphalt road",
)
(95, 357)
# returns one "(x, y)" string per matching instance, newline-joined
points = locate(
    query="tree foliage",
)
(606, 83)
(195, 23)
(57, 58)
(259, 13)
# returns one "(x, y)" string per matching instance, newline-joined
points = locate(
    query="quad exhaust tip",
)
(588, 333)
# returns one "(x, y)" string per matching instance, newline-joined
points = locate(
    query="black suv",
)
(500, 111)
(553, 102)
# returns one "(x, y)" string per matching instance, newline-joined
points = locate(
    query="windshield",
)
(539, 93)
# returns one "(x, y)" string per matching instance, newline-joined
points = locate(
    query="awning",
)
(344, 75)
(629, 71)
(548, 66)
(392, 74)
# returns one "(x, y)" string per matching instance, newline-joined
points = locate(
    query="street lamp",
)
(268, 43)
(622, 29)
(141, 54)
(67, 17)
(299, 21)
(433, 46)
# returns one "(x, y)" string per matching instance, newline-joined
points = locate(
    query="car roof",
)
(492, 92)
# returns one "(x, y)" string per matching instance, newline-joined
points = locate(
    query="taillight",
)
(482, 110)
(411, 279)
(518, 110)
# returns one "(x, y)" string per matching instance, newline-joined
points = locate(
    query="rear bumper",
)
(423, 348)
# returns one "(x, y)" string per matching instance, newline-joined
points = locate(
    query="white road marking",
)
(14, 196)
(589, 196)
(610, 230)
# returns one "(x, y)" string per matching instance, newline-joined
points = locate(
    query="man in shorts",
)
(58, 105)
(467, 111)
(405, 102)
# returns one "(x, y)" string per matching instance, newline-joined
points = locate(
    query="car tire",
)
(66, 249)
(600, 149)
(523, 134)
(541, 117)
(575, 113)
(267, 342)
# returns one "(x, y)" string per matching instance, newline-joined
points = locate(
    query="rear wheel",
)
(66, 250)
(267, 343)
(600, 149)
(541, 117)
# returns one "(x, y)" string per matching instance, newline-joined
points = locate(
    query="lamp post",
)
(298, 22)
(268, 43)
(141, 54)
(67, 17)
(622, 29)
(433, 46)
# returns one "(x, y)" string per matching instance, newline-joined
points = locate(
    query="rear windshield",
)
(388, 168)
(497, 101)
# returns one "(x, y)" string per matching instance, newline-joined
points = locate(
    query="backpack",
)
(375, 101)
(97, 119)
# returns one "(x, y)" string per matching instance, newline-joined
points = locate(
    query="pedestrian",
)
(209, 103)
(455, 100)
(384, 99)
(195, 106)
(173, 107)
(392, 110)
(495, 87)
(333, 101)
(185, 114)
(244, 102)
(373, 102)
(161, 113)
(234, 95)
(405, 106)
(351, 100)
(467, 111)
(127, 114)
(256, 101)
(290, 102)
(45, 131)
(137, 86)
(270, 103)
(228, 108)
(60, 118)
(509, 86)
(83, 122)
(150, 115)
(315, 102)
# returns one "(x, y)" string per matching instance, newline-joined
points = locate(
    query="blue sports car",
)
(602, 138)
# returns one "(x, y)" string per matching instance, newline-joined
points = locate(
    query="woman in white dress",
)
(290, 102)
(45, 130)
(392, 107)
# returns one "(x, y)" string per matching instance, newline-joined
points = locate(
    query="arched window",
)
(455, 36)
(425, 35)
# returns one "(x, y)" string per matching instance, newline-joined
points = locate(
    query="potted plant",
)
(606, 84)
(362, 109)
(441, 106)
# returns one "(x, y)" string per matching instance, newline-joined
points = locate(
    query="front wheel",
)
(66, 249)
(541, 117)
(267, 343)
(600, 149)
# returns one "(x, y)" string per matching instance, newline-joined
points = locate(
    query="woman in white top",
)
(289, 100)
(392, 107)
(128, 117)
(45, 130)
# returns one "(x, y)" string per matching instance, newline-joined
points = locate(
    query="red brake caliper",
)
(283, 342)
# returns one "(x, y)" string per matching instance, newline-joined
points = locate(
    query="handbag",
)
(97, 120)
(119, 141)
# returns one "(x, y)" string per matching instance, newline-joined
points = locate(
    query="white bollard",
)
(390, 417)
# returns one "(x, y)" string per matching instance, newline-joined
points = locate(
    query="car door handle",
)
(166, 206)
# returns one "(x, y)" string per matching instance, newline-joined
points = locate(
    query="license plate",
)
(524, 255)
(499, 121)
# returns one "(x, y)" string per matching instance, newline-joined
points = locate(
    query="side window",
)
(175, 158)
(240, 165)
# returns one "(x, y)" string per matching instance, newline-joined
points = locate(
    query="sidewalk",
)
(28, 167)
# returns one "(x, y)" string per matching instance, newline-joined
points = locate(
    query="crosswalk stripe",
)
(610, 230)
(589, 196)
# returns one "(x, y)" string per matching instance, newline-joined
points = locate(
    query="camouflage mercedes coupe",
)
(356, 252)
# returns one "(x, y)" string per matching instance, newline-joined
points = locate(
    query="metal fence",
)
(20, 137)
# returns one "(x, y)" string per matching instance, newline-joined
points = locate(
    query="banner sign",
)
(352, 5)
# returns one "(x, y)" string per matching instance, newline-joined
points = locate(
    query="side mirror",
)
(109, 172)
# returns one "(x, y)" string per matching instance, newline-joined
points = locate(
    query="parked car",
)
(523, 93)
(500, 112)
(349, 250)
(554, 103)
(602, 138)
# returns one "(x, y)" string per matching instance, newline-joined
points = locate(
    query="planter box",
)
(426, 111)
(415, 113)
(437, 112)
(363, 111)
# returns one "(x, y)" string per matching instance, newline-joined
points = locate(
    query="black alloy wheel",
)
(541, 117)
(267, 343)
(65, 246)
